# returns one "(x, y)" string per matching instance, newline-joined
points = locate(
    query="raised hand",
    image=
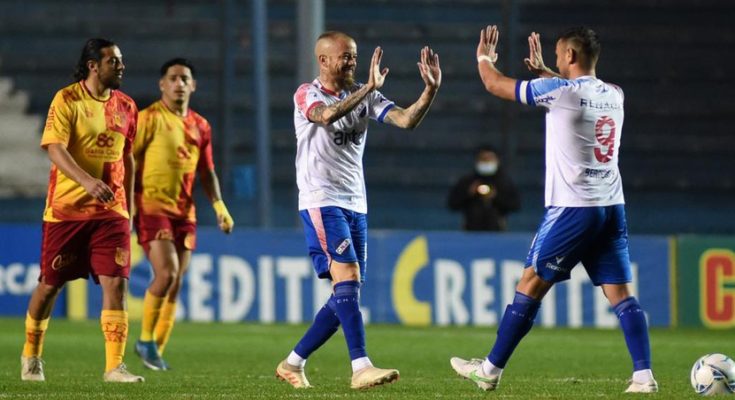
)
(429, 68)
(535, 60)
(488, 44)
(377, 77)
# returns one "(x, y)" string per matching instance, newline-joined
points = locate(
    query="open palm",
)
(429, 68)
(377, 77)
(535, 60)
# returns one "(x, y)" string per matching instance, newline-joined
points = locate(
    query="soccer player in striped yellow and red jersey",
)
(173, 144)
(89, 136)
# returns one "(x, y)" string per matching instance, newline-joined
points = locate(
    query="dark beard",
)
(113, 82)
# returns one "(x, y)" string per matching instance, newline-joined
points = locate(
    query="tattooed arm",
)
(431, 73)
(327, 114)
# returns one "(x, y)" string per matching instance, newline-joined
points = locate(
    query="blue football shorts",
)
(595, 236)
(335, 233)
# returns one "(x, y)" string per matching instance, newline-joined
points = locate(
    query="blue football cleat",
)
(148, 352)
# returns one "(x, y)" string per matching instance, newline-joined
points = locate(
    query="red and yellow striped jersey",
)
(169, 150)
(96, 133)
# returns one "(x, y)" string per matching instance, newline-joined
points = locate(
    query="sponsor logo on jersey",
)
(600, 105)
(546, 99)
(597, 173)
(105, 140)
(345, 138)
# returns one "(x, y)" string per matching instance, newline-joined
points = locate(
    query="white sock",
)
(642, 376)
(360, 363)
(489, 369)
(296, 360)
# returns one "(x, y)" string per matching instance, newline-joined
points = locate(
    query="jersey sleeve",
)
(132, 128)
(379, 106)
(144, 133)
(543, 92)
(306, 98)
(58, 122)
(206, 161)
(619, 90)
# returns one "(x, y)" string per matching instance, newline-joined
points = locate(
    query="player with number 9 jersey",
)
(584, 125)
(585, 222)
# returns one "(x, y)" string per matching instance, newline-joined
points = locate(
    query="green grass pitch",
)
(237, 361)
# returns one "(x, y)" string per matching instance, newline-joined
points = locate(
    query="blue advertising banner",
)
(20, 252)
(414, 278)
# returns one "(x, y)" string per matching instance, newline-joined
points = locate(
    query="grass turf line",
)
(237, 361)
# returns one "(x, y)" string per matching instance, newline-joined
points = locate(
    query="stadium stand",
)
(676, 152)
(23, 166)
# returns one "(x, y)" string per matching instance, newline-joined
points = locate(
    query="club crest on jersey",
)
(343, 246)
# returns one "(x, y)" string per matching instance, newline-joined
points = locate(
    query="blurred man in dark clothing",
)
(486, 196)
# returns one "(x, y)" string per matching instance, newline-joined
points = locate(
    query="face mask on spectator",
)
(486, 168)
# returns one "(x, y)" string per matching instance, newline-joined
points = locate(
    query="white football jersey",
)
(329, 157)
(584, 125)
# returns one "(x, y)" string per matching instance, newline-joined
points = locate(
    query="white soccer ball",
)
(713, 374)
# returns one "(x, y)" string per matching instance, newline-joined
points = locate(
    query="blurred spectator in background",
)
(485, 196)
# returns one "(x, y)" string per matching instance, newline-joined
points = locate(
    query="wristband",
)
(489, 59)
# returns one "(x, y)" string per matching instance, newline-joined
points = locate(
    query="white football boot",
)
(472, 370)
(371, 376)
(122, 375)
(646, 387)
(31, 369)
(292, 374)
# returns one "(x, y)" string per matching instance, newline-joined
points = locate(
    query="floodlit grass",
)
(233, 361)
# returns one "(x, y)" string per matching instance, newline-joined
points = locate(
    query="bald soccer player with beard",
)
(331, 116)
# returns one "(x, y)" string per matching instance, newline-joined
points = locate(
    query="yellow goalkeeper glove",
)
(224, 219)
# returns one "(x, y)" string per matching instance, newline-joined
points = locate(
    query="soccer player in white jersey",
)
(331, 118)
(585, 215)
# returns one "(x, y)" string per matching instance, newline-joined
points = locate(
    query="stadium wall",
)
(413, 278)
